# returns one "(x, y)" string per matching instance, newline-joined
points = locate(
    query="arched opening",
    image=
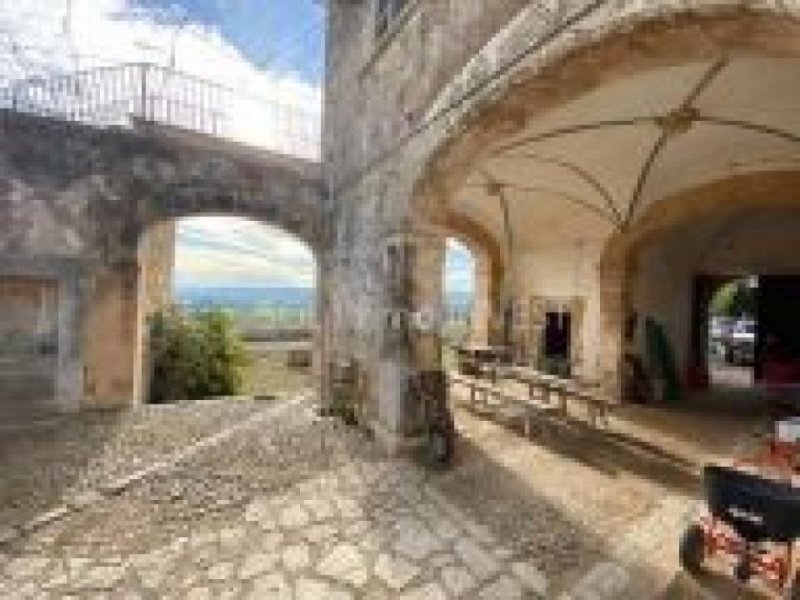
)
(716, 286)
(554, 187)
(730, 324)
(265, 279)
(610, 180)
(460, 325)
(252, 283)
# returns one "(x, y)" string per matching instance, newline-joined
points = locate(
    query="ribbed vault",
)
(594, 166)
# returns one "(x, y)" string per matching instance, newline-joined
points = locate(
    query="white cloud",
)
(227, 251)
(267, 108)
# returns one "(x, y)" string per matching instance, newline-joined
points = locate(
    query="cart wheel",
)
(692, 549)
(793, 593)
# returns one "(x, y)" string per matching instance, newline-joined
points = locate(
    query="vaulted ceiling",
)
(598, 163)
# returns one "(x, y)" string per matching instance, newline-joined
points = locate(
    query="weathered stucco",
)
(102, 202)
(411, 120)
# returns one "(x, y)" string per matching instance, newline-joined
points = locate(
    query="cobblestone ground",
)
(53, 457)
(288, 505)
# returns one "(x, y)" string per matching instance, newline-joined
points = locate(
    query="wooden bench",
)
(476, 388)
(544, 388)
(597, 406)
(532, 410)
(548, 388)
(547, 395)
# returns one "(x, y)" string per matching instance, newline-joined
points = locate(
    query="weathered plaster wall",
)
(87, 208)
(409, 118)
(28, 340)
(157, 260)
(565, 276)
(379, 89)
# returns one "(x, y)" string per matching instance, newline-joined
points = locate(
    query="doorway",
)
(557, 342)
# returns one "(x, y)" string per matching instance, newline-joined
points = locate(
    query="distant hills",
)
(244, 297)
(249, 297)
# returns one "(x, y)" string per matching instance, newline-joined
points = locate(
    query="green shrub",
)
(194, 356)
(734, 299)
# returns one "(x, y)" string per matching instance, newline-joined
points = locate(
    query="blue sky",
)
(281, 34)
(459, 270)
(271, 51)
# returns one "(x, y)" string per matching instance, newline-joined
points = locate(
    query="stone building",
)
(604, 161)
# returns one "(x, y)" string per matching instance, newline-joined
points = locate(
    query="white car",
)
(740, 345)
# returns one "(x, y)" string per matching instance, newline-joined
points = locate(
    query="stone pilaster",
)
(482, 301)
(411, 340)
(615, 309)
(114, 337)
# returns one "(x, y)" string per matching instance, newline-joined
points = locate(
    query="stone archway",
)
(88, 208)
(725, 202)
(606, 50)
(585, 54)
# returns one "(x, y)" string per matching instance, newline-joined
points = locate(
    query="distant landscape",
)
(201, 297)
(252, 298)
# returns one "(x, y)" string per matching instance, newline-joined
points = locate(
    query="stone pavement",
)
(290, 505)
(314, 513)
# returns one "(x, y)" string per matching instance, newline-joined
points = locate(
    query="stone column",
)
(411, 331)
(114, 337)
(482, 306)
(320, 356)
(615, 309)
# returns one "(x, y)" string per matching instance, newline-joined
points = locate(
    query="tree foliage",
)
(735, 299)
(194, 356)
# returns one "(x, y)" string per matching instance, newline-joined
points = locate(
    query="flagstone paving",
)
(296, 506)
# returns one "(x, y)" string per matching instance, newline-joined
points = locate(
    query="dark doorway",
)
(557, 335)
(778, 340)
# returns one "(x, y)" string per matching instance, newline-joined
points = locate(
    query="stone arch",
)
(582, 55)
(601, 46)
(76, 214)
(490, 271)
(723, 200)
(759, 190)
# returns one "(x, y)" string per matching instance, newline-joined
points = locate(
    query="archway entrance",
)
(557, 192)
(724, 331)
(264, 279)
(605, 207)
(262, 282)
(461, 324)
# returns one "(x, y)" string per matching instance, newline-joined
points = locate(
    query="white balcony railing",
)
(116, 96)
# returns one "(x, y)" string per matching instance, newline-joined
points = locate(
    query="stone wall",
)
(409, 116)
(28, 340)
(157, 260)
(380, 88)
(93, 211)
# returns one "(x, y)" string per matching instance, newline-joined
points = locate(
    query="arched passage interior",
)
(565, 191)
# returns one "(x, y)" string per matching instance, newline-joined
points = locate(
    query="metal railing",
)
(117, 96)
